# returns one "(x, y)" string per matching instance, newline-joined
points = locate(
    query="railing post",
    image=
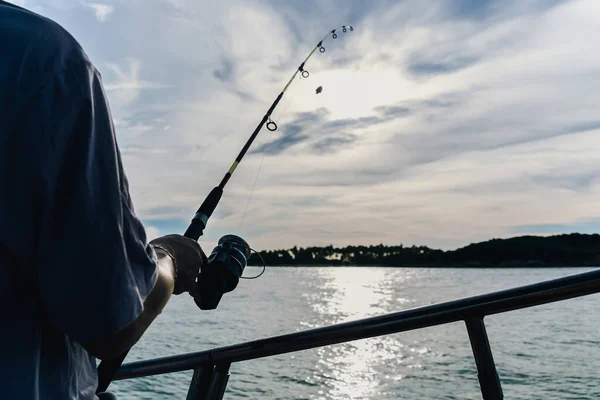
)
(489, 381)
(200, 382)
(209, 382)
(218, 383)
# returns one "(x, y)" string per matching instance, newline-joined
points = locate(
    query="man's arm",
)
(178, 266)
(98, 279)
(113, 345)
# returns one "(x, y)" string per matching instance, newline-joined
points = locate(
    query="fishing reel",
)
(222, 272)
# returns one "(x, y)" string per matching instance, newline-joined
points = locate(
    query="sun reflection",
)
(358, 369)
(351, 293)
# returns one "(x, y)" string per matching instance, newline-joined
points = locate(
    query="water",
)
(549, 351)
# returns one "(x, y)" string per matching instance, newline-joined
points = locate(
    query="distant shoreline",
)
(559, 251)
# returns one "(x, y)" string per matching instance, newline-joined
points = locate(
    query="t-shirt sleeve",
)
(93, 264)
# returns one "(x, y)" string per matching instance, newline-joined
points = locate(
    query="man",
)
(78, 281)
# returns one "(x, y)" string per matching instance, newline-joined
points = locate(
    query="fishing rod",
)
(232, 252)
(196, 228)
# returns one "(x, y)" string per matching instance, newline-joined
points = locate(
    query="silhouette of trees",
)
(559, 250)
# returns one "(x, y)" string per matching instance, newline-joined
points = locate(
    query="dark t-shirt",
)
(74, 259)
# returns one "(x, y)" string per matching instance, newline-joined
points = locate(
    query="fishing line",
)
(261, 162)
(264, 265)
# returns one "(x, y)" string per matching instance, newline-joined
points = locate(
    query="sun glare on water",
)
(351, 369)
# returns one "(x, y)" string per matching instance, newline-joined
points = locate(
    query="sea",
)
(550, 351)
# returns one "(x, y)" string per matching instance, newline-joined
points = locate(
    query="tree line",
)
(559, 250)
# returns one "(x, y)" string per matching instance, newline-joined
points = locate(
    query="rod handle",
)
(196, 228)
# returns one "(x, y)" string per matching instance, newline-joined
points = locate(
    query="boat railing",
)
(211, 367)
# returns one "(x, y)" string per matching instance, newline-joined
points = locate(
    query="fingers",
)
(189, 258)
(204, 258)
(194, 291)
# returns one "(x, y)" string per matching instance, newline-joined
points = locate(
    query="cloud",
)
(334, 143)
(279, 145)
(435, 66)
(225, 72)
(176, 3)
(324, 133)
(128, 84)
(440, 123)
(151, 232)
(393, 111)
(586, 226)
(20, 3)
(101, 10)
(293, 132)
(130, 80)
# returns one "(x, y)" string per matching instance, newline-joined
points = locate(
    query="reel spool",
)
(222, 272)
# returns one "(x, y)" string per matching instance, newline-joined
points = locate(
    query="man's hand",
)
(187, 256)
(179, 265)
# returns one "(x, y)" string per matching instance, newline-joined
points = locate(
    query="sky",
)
(441, 123)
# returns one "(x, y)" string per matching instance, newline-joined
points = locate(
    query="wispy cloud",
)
(128, 84)
(151, 232)
(101, 10)
(585, 226)
(20, 3)
(225, 72)
(176, 3)
(130, 79)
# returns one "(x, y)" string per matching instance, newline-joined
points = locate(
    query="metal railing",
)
(211, 367)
